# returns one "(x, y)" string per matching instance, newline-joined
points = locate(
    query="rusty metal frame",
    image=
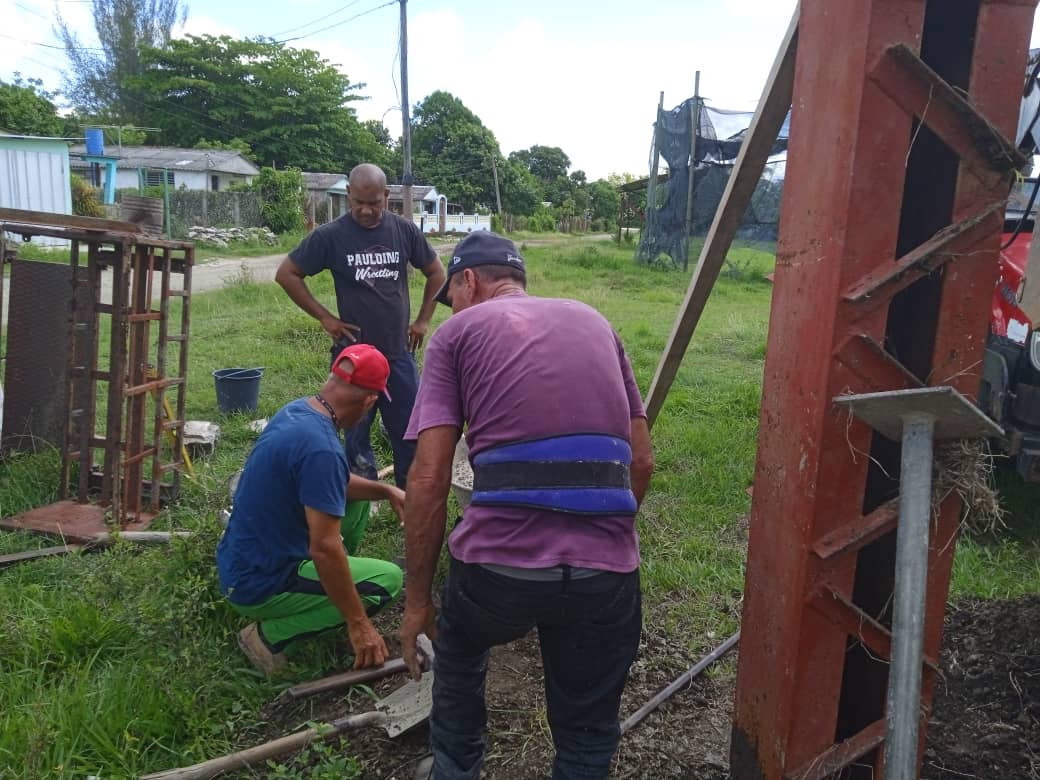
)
(110, 486)
(898, 169)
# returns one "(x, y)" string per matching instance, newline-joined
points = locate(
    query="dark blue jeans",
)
(357, 443)
(589, 634)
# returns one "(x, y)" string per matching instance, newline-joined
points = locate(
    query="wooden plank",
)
(754, 152)
(641, 184)
(23, 217)
(44, 552)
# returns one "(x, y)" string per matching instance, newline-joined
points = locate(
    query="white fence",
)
(453, 223)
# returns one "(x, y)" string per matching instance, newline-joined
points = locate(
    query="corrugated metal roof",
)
(419, 192)
(174, 158)
(322, 181)
(8, 134)
(336, 182)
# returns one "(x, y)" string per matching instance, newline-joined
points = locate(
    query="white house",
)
(34, 176)
(194, 169)
(327, 199)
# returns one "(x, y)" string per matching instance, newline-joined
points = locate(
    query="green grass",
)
(203, 252)
(124, 661)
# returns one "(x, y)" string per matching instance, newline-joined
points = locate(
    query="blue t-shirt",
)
(297, 462)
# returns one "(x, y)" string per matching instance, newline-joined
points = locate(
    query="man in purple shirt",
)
(561, 456)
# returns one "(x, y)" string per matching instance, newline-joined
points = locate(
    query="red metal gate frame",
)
(109, 487)
(855, 282)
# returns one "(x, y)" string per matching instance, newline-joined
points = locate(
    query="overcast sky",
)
(581, 75)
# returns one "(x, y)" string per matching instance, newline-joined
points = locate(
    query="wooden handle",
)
(343, 679)
(272, 749)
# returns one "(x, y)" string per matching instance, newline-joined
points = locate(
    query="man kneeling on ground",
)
(287, 557)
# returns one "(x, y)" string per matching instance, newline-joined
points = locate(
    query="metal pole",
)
(695, 126)
(911, 587)
(406, 179)
(636, 717)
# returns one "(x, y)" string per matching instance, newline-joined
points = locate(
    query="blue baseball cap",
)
(481, 247)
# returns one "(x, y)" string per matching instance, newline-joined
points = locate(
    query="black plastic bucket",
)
(238, 389)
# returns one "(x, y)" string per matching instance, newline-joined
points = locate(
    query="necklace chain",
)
(328, 408)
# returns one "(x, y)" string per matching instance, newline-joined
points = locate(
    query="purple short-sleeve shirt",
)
(516, 368)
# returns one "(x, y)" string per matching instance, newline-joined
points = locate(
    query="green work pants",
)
(303, 609)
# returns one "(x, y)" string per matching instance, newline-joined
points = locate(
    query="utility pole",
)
(494, 172)
(406, 179)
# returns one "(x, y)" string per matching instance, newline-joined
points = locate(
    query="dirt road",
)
(214, 274)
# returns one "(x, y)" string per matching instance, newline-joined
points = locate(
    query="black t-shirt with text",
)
(370, 270)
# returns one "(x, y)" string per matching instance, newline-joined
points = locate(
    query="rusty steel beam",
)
(13, 219)
(885, 268)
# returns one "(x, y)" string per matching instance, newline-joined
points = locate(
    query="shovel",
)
(403, 709)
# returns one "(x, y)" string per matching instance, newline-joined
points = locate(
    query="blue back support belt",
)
(585, 474)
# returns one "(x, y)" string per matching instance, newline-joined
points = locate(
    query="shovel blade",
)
(408, 706)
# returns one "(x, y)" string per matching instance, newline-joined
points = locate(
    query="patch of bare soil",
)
(986, 713)
(688, 737)
(986, 721)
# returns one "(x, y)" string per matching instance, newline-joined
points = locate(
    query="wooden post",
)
(751, 161)
(695, 126)
(621, 214)
(652, 185)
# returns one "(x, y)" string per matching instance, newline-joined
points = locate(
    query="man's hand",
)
(395, 496)
(368, 644)
(416, 333)
(339, 329)
(416, 620)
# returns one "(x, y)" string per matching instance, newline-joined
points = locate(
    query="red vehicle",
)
(1010, 391)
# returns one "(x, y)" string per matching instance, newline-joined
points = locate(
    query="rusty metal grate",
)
(122, 328)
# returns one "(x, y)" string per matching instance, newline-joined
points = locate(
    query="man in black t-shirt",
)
(368, 251)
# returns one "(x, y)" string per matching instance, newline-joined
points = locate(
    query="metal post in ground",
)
(917, 418)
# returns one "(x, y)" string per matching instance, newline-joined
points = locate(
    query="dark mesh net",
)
(720, 133)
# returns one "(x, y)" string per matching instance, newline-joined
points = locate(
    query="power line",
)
(315, 21)
(338, 24)
(52, 46)
(31, 10)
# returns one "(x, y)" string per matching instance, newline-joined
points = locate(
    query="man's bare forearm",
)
(426, 512)
(334, 574)
(429, 302)
(362, 489)
(301, 295)
(642, 458)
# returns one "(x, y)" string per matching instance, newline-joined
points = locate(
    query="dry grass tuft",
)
(965, 467)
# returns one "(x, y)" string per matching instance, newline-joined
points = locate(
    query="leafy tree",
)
(236, 145)
(547, 163)
(521, 191)
(26, 109)
(100, 82)
(604, 201)
(290, 106)
(282, 199)
(635, 201)
(86, 201)
(452, 150)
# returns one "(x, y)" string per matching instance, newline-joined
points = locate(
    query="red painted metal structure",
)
(115, 469)
(897, 175)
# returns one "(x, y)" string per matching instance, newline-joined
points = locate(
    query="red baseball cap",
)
(371, 369)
